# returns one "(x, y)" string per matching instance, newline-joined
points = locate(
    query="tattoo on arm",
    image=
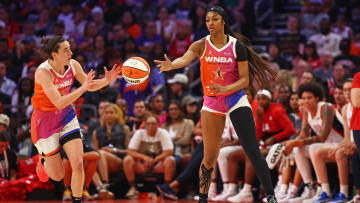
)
(310, 140)
(328, 114)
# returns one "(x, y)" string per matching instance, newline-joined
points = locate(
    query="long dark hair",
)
(181, 114)
(259, 70)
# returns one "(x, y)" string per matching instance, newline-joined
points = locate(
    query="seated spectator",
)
(121, 103)
(307, 77)
(291, 41)
(111, 139)
(96, 58)
(169, 190)
(326, 40)
(191, 108)
(7, 86)
(341, 153)
(337, 79)
(164, 25)
(147, 41)
(178, 87)
(276, 57)
(156, 104)
(8, 159)
(180, 131)
(137, 122)
(351, 62)
(311, 56)
(339, 98)
(133, 29)
(150, 151)
(182, 40)
(21, 98)
(325, 72)
(326, 122)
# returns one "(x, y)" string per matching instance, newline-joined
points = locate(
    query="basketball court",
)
(112, 201)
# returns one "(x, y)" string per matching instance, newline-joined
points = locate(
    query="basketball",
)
(135, 70)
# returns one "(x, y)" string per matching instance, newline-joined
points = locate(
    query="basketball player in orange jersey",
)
(53, 122)
(225, 72)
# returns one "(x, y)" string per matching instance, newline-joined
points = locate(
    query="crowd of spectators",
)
(154, 127)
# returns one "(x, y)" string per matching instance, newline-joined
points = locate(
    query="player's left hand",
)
(215, 88)
(113, 74)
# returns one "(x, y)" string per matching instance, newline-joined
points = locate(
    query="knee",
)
(128, 160)
(340, 156)
(59, 175)
(169, 161)
(77, 165)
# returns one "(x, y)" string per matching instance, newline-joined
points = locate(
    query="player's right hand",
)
(164, 65)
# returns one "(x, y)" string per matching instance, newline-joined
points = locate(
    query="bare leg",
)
(54, 167)
(213, 126)
(129, 169)
(234, 159)
(74, 151)
(103, 166)
(67, 176)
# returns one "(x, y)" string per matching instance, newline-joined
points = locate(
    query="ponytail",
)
(50, 45)
(259, 70)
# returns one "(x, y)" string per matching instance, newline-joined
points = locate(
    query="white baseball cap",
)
(180, 78)
(4, 119)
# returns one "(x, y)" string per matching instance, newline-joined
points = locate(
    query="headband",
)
(264, 92)
(220, 11)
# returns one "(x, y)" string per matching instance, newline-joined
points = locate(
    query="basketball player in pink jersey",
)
(225, 73)
(53, 122)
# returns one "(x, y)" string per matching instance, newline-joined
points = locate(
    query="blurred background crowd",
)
(305, 41)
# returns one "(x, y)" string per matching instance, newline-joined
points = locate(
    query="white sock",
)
(326, 188)
(345, 190)
(247, 187)
(225, 186)
(232, 187)
(212, 186)
(293, 189)
(283, 188)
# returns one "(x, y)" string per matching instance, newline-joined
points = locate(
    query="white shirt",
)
(161, 136)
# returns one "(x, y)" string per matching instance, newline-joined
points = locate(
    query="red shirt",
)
(275, 122)
(355, 118)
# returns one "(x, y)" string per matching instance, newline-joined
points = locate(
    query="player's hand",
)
(289, 146)
(259, 112)
(164, 65)
(215, 88)
(113, 74)
(89, 80)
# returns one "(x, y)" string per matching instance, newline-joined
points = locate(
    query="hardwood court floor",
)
(111, 201)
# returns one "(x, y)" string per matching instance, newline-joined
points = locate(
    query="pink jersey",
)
(46, 119)
(219, 65)
(62, 82)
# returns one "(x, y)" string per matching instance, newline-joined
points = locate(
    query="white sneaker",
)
(211, 195)
(290, 195)
(307, 193)
(356, 199)
(280, 195)
(243, 196)
(224, 195)
(315, 197)
(132, 193)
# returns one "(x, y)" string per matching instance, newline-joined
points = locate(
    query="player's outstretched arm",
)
(44, 78)
(110, 76)
(180, 62)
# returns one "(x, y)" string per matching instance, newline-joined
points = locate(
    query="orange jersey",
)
(63, 84)
(218, 65)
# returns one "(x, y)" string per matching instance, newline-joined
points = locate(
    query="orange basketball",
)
(135, 70)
